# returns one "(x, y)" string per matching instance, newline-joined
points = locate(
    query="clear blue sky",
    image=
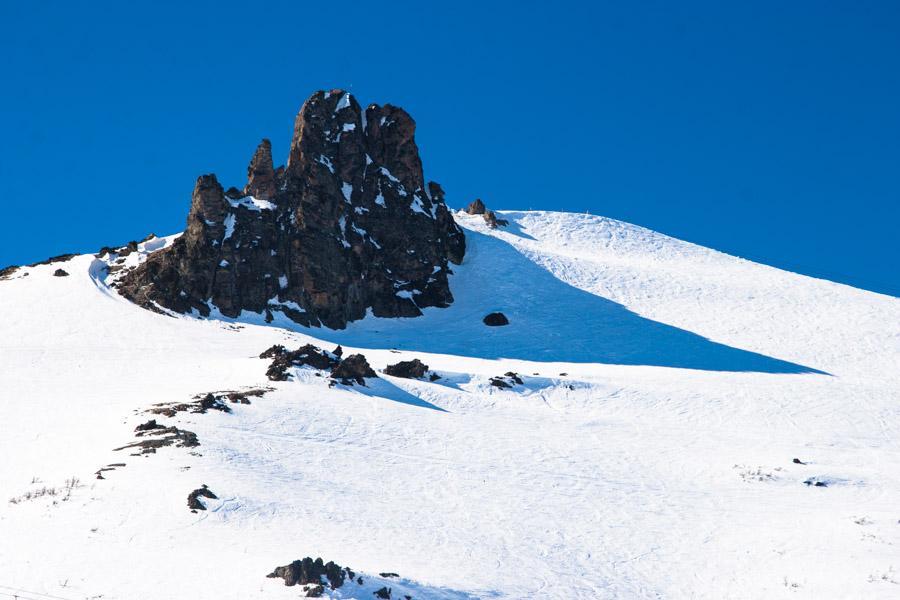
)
(769, 130)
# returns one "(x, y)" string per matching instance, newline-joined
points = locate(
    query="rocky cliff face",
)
(349, 224)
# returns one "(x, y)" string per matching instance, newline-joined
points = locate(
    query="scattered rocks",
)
(409, 369)
(348, 225)
(353, 368)
(7, 272)
(507, 380)
(477, 207)
(60, 273)
(307, 570)
(495, 319)
(169, 436)
(194, 498)
(315, 591)
(54, 259)
(305, 355)
(816, 482)
(211, 401)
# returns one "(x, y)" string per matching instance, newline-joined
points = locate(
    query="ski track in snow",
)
(658, 466)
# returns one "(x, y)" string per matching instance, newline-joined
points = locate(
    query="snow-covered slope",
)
(647, 454)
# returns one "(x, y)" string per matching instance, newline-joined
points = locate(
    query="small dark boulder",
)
(514, 376)
(495, 319)
(797, 461)
(409, 369)
(315, 591)
(60, 273)
(500, 383)
(149, 425)
(384, 592)
(339, 351)
(388, 575)
(353, 368)
(194, 497)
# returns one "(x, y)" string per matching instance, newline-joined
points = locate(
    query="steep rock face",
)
(349, 224)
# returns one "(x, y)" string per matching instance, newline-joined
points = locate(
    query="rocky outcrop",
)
(349, 225)
(477, 207)
(307, 570)
(408, 369)
(194, 498)
(353, 368)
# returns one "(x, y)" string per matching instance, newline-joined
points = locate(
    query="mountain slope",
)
(647, 453)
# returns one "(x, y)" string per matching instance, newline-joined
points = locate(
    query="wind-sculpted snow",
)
(654, 397)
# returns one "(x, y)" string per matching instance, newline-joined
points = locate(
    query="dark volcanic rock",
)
(305, 355)
(60, 273)
(194, 497)
(349, 225)
(301, 572)
(495, 319)
(384, 592)
(7, 272)
(410, 369)
(353, 368)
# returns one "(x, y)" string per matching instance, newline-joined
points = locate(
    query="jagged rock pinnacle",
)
(349, 225)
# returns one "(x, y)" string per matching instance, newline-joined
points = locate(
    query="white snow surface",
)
(648, 453)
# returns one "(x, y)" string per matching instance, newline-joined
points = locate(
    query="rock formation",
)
(350, 224)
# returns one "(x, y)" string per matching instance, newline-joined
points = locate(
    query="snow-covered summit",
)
(631, 433)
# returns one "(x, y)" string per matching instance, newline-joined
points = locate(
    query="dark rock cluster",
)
(283, 359)
(353, 368)
(507, 381)
(477, 207)
(346, 370)
(307, 570)
(410, 369)
(194, 498)
(350, 224)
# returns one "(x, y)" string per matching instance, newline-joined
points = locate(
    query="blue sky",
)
(768, 130)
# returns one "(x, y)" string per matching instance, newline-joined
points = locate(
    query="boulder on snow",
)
(353, 368)
(409, 369)
(194, 497)
(307, 570)
(495, 319)
(60, 273)
(305, 355)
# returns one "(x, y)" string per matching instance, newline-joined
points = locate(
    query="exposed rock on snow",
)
(306, 355)
(477, 207)
(307, 570)
(353, 368)
(60, 273)
(171, 436)
(193, 500)
(495, 319)
(409, 369)
(349, 225)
